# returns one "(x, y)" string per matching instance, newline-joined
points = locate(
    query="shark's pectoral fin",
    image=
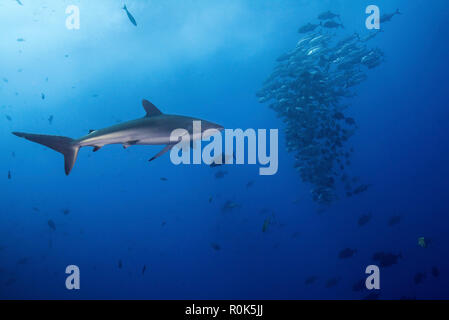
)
(129, 143)
(188, 144)
(96, 148)
(150, 108)
(160, 153)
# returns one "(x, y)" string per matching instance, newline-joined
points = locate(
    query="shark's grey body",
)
(153, 129)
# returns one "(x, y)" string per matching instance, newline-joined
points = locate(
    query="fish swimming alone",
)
(130, 16)
(328, 15)
(153, 129)
(387, 17)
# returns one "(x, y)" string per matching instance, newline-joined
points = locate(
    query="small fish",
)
(338, 115)
(346, 253)
(359, 285)
(265, 225)
(386, 259)
(36, 209)
(130, 16)
(361, 188)
(435, 272)
(387, 16)
(332, 282)
(230, 205)
(422, 242)
(327, 15)
(332, 25)
(9, 175)
(307, 28)
(10, 281)
(18, 1)
(50, 119)
(215, 246)
(5, 80)
(163, 179)
(419, 277)
(350, 121)
(52, 225)
(296, 234)
(8, 118)
(250, 184)
(120, 264)
(220, 174)
(221, 160)
(42, 96)
(66, 211)
(23, 261)
(364, 219)
(394, 220)
(163, 223)
(143, 269)
(310, 280)
(20, 39)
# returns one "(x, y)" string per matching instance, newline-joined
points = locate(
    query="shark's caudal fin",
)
(64, 145)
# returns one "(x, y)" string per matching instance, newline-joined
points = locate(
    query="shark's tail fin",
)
(124, 7)
(64, 145)
(398, 12)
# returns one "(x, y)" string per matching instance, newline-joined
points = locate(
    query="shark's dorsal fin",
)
(150, 108)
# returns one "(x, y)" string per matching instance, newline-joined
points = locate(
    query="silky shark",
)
(153, 129)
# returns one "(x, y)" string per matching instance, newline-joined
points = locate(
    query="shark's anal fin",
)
(150, 108)
(160, 153)
(129, 143)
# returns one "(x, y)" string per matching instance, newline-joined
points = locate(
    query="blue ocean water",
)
(114, 214)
